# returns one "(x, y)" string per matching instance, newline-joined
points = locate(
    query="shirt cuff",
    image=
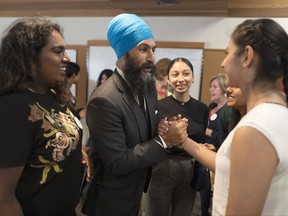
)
(161, 142)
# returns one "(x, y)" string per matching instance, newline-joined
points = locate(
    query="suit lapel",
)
(153, 111)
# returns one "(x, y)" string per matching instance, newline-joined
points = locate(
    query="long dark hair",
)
(20, 49)
(107, 72)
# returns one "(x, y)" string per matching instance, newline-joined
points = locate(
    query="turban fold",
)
(125, 31)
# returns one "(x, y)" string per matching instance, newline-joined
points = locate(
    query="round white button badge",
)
(213, 117)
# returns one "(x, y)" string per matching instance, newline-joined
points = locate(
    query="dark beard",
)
(138, 83)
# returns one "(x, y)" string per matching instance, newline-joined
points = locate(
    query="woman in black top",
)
(170, 183)
(40, 156)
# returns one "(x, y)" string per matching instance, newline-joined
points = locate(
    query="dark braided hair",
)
(270, 41)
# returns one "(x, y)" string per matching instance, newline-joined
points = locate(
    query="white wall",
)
(214, 31)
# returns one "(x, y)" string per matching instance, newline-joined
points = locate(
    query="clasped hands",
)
(173, 130)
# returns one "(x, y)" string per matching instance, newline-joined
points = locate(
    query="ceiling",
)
(98, 8)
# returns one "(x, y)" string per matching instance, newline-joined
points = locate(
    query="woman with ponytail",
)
(252, 165)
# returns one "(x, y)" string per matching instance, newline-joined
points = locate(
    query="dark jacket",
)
(121, 151)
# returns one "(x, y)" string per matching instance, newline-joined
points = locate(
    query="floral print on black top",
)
(64, 129)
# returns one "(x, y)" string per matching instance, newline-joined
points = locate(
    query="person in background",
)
(252, 163)
(162, 86)
(73, 77)
(170, 188)
(229, 116)
(232, 112)
(40, 159)
(103, 76)
(217, 90)
(122, 118)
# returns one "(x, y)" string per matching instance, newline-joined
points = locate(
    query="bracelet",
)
(161, 142)
(181, 146)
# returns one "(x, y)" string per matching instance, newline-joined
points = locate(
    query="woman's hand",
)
(209, 146)
(86, 162)
(165, 123)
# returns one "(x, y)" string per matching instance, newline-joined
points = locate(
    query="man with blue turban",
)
(122, 120)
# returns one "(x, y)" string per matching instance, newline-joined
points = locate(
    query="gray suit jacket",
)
(120, 149)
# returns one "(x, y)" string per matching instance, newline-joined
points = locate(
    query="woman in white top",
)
(251, 166)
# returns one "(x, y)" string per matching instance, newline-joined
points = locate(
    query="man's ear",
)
(121, 63)
(248, 56)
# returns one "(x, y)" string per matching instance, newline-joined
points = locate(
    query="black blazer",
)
(120, 149)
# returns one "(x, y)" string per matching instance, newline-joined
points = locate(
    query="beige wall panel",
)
(212, 65)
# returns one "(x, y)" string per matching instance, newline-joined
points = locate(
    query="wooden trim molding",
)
(81, 89)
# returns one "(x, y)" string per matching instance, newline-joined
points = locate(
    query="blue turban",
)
(125, 31)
